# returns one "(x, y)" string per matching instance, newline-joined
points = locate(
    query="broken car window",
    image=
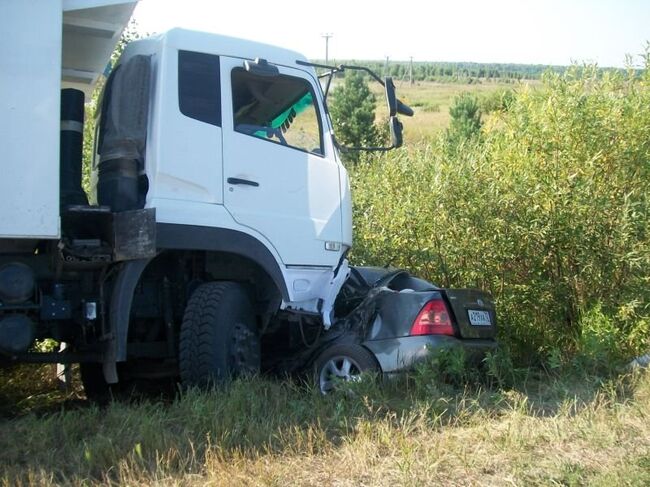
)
(279, 109)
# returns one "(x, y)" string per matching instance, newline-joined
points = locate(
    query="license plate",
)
(479, 318)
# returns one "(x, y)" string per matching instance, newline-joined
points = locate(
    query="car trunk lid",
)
(474, 312)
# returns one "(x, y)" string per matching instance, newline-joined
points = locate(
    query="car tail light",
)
(433, 319)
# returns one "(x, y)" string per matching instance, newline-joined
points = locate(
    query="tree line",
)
(464, 72)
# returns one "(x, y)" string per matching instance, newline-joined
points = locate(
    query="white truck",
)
(219, 211)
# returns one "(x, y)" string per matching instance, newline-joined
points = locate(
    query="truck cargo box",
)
(46, 45)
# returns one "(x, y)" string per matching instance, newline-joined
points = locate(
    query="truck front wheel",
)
(219, 338)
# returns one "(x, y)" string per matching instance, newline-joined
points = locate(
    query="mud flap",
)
(120, 312)
(134, 234)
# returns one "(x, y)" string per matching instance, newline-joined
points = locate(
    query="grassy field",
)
(431, 101)
(415, 430)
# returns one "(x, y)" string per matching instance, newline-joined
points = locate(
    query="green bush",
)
(549, 212)
(465, 122)
(352, 109)
(494, 101)
(599, 342)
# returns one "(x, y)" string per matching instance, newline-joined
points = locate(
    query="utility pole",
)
(411, 71)
(386, 67)
(327, 37)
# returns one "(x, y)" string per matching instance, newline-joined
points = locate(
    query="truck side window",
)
(280, 109)
(199, 86)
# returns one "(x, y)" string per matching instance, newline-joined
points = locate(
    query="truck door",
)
(280, 175)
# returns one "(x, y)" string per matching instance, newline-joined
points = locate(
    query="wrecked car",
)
(387, 321)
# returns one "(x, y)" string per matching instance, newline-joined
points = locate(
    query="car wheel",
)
(342, 362)
(219, 337)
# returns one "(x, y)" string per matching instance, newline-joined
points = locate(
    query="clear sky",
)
(524, 31)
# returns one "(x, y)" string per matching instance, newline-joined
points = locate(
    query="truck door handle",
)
(242, 181)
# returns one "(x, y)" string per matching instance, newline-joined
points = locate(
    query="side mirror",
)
(391, 99)
(395, 106)
(395, 132)
(403, 109)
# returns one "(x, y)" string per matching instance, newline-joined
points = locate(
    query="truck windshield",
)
(279, 109)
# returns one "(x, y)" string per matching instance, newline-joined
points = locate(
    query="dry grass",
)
(431, 102)
(410, 431)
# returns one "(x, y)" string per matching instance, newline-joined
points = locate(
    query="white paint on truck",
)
(45, 45)
(30, 77)
(303, 199)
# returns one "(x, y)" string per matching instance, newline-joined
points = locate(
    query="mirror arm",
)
(329, 82)
(345, 148)
(332, 70)
(316, 65)
(396, 126)
(401, 107)
(372, 74)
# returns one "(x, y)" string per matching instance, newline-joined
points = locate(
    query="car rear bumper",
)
(398, 354)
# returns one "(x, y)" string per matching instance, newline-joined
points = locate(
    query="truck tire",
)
(342, 362)
(219, 338)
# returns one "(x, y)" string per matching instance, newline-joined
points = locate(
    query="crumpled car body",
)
(386, 320)
(381, 306)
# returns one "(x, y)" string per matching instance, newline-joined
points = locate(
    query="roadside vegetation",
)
(538, 195)
(534, 429)
(545, 205)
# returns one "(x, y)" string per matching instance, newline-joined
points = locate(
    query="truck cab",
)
(233, 140)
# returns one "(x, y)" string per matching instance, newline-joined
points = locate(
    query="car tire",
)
(342, 362)
(218, 339)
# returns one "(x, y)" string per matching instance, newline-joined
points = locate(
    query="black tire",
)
(342, 362)
(219, 338)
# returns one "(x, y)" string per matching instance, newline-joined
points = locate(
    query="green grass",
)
(415, 430)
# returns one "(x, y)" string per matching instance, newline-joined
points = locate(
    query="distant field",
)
(431, 100)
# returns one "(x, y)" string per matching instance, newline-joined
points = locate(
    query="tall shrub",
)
(465, 119)
(352, 109)
(549, 213)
